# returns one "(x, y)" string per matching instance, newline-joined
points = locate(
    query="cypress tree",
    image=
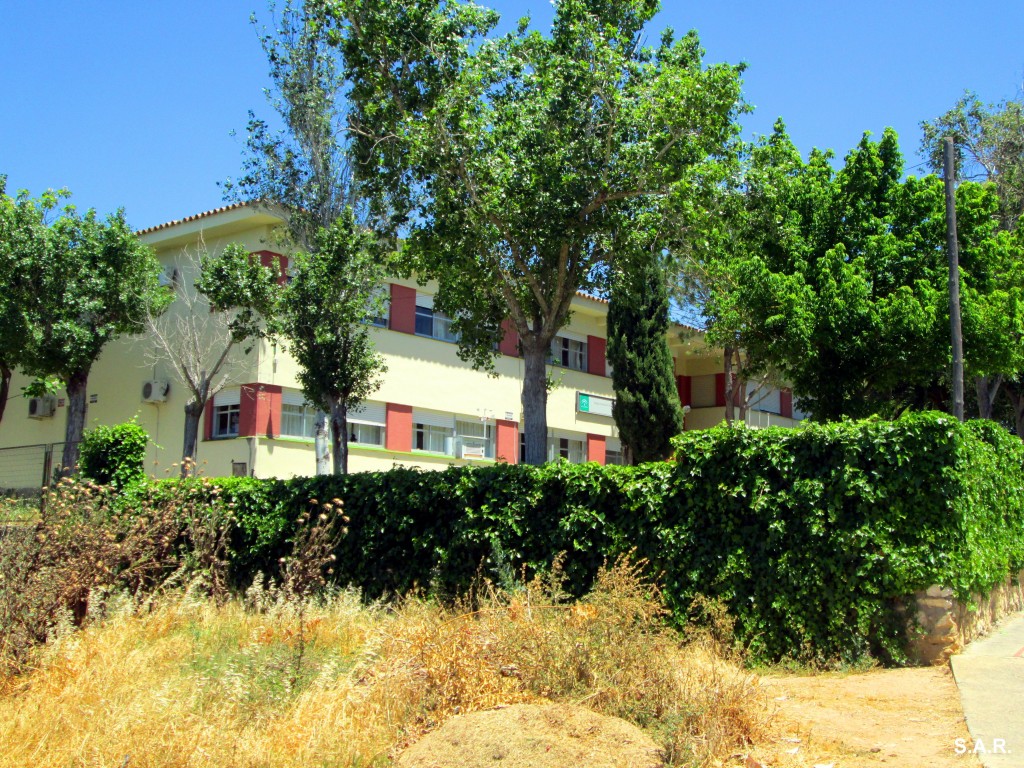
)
(647, 408)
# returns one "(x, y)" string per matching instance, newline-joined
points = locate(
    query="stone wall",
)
(944, 625)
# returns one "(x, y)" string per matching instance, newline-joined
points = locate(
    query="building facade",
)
(432, 409)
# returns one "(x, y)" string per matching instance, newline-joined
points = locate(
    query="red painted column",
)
(509, 344)
(507, 439)
(398, 427)
(248, 410)
(596, 355)
(208, 419)
(596, 445)
(277, 262)
(719, 389)
(403, 308)
(786, 403)
(684, 386)
(259, 410)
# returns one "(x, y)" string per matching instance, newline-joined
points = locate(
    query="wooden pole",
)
(954, 280)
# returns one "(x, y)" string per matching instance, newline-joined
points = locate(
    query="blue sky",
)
(133, 103)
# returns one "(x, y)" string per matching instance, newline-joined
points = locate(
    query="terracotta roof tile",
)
(194, 217)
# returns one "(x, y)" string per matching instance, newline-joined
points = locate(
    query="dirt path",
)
(896, 717)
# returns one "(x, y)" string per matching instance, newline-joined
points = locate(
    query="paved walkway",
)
(990, 676)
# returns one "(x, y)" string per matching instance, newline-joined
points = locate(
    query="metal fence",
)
(25, 469)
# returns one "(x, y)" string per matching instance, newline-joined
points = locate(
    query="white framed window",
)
(569, 353)
(433, 431)
(431, 323)
(298, 418)
(227, 411)
(764, 398)
(613, 451)
(476, 438)
(560, 446)
(366, 424)
(382, 295)
(572, 450)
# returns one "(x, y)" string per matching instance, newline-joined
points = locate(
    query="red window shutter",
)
(398, 427)
(596, 355)
(403, 308)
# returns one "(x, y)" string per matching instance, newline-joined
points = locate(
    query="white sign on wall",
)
(594, 404)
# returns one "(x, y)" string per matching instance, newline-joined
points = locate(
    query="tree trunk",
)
(730, 396)
(321, 444)
(77, 387)
(535, 400)
(1015, 391)
(339, 436)
(193, 415)
(5, 388)
(986, 388)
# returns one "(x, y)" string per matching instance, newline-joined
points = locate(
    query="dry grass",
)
(191, 683)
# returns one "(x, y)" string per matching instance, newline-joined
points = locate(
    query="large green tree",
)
(324, 314)
(843, 286)
(18, 221)
(514, 161)
(989, 139)
(303, 171)
(647, 409)
(990, 147)
(714, 234)
(87, 282)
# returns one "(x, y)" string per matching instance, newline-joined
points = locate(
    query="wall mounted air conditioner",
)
(155, 391)
(471, 451)
(42, 407)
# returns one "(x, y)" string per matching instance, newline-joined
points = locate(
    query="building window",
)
(613, 452)
(431, 323)
(298, 420)
(225, 420)
(382, 297)
(428, 437)
(570, 353)
(574, 451)
(566, 448)
(476, 438)
(365, 434)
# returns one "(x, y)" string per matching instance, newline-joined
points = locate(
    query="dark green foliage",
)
(810, 536)
(114, 455)
(646, 407)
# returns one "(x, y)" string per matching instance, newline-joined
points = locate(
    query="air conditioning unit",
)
(471, 451)
(42, 407)
(155, 391)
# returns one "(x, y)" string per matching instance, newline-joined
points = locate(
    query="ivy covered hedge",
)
(810, 536)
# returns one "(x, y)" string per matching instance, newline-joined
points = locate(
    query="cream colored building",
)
(432, 409)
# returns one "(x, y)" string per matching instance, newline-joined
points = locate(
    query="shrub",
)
(114, 455)
(809, 536)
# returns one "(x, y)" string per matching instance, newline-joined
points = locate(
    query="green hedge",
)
(810, 536)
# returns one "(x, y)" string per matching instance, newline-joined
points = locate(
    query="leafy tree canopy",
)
(841, 278)
(324, 316)
(84, 283)
(518, 162)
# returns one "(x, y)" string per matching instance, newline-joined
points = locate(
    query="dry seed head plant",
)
(190, 682)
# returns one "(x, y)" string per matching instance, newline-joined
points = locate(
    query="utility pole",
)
(954, 279)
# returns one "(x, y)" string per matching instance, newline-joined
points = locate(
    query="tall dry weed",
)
(193, 683)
